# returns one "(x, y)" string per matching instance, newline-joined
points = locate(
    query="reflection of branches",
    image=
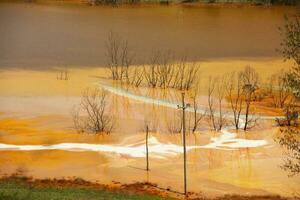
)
(174, 125)
(289, 139)
(63, 75)
(150, 72)
(77, 120)
(137, 77)
(281, 93)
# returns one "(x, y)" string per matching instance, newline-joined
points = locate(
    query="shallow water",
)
(41, 145)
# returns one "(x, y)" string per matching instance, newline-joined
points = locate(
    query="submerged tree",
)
(165, 70)
(197, 117)
(241, 91)
(119, 57)
(185, 75)
(163, 73)
(235, 96)
(92, 113)
(137, 77)
(250, 80)
(151, 71)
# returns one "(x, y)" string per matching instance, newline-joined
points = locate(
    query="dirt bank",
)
(134, 188)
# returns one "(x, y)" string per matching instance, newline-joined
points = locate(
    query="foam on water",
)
(226, 141)
(161, 102)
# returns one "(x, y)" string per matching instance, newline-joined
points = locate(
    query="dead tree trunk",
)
(234, 93)
(249, 78)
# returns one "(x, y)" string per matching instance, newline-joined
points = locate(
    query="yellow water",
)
(35, 108)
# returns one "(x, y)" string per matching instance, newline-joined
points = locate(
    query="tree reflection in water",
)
(289, 139)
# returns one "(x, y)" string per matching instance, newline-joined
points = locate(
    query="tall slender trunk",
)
(184, 144)
(147, 149)
(247, 115)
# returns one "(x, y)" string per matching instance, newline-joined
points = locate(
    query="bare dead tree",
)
(92, 113)
(182, 68)
(196, 116)
(185, 75)
(165, 70)
(216, 97)
(137, 77)
(191, 75)
(211, 103)
(221, 90)
(126, 61)
(163, 73)
(119, 57)
(174, 123)
(235, 97)
(113, 48)
(281, 91)
(150, 72)
(250, 80)
(176, 78)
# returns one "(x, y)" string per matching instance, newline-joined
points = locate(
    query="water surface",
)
(42, 36)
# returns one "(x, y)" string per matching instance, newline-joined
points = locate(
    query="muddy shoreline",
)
(136, 188)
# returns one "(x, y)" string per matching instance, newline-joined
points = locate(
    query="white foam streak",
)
(161, 102)
(156, 149)
(226, 141)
